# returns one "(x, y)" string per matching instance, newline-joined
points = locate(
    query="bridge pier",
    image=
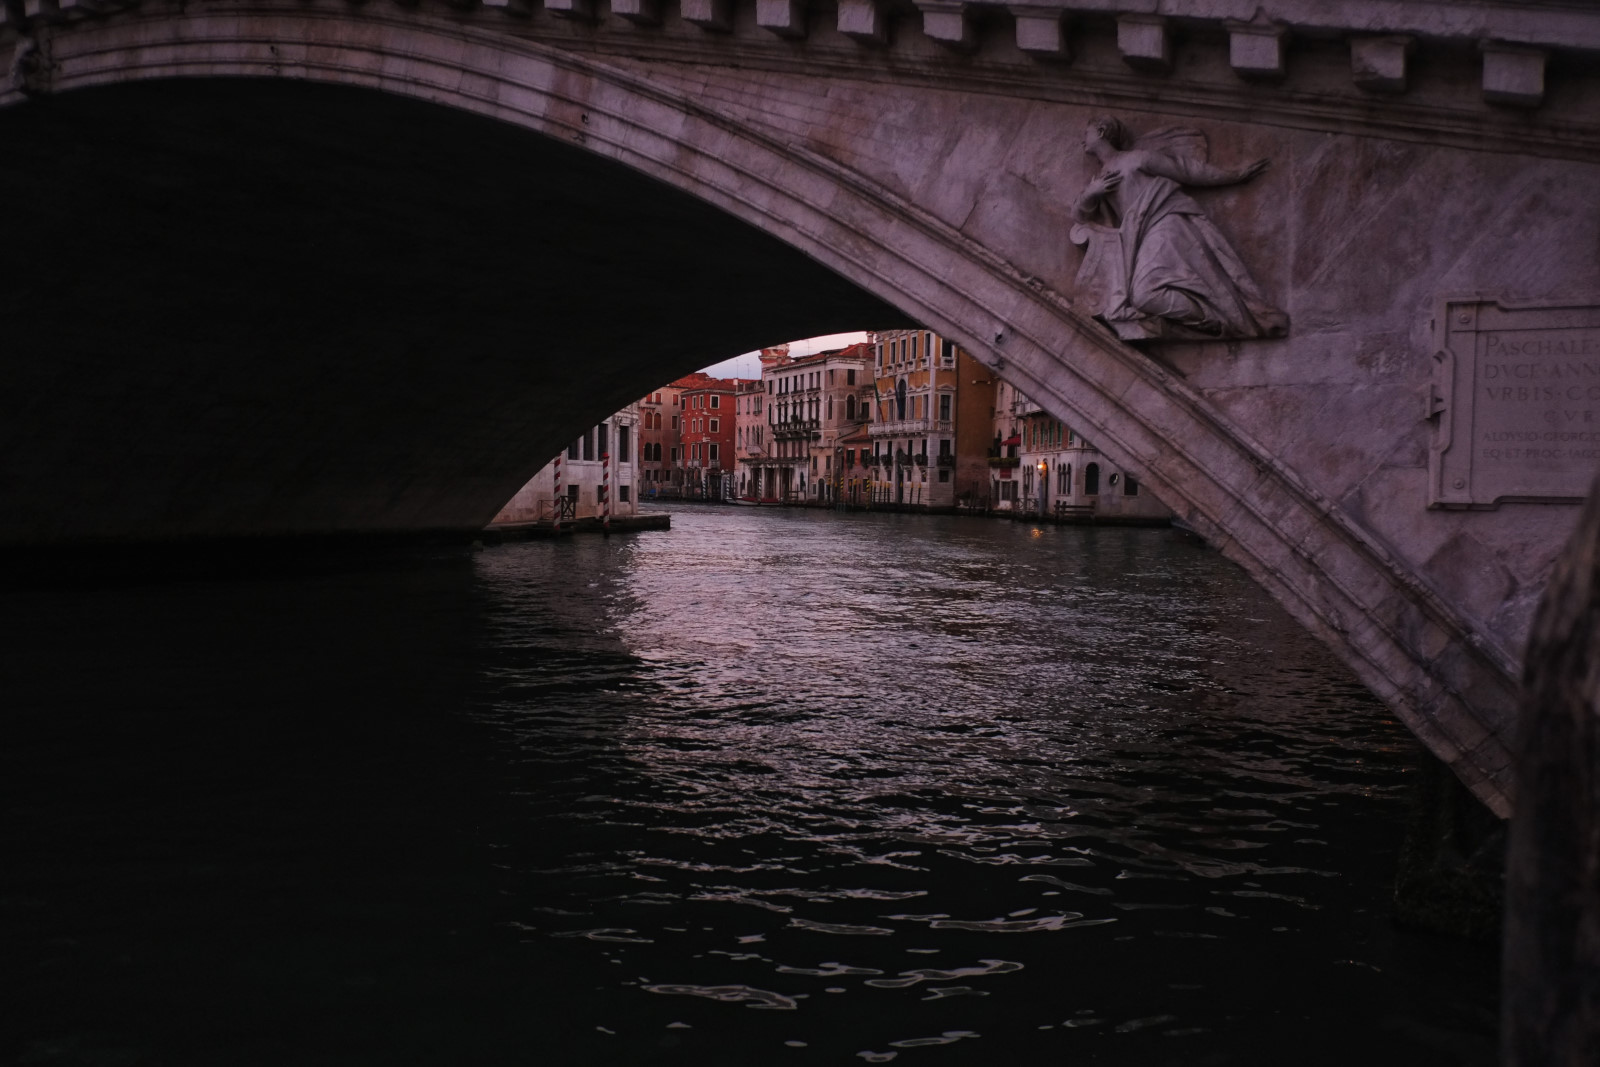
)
(1551, 994)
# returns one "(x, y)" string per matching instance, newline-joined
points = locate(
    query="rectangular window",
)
(674, 453)
(622, 444)
(944, 474)
(715, 423)
(849, 457)
(716, 401)
(572, 492)
(944, 407)
(622, 493)
(602, 434)
(944, 446)
(947, 352)
(572, 449)
(715, 452)
(850, 377)
(674, 422)
(588, 445)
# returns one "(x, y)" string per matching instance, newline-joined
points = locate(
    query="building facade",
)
(749, 431)
(853, 464)
(599, 475)
(934, 416)
(1041, 466)
(659, 441)
(811, 404)
(708, 419)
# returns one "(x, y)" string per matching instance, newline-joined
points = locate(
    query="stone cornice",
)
(1349, 75)
(1572, 25)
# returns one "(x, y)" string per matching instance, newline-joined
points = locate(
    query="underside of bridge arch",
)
(251, 307)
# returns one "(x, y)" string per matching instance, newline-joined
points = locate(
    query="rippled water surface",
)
(770, 787)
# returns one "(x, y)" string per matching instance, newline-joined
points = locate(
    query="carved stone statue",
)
(1157, 265)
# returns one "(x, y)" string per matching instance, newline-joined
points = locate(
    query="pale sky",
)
(749, 364)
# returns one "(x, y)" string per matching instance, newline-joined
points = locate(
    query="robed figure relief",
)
(1156, 263)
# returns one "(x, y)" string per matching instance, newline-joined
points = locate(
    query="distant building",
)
(811, 404)
(749, 430)
(707, 445)
(1042, 466)
(604, 457)
(659, 440)
(853, 467)
(935, 411)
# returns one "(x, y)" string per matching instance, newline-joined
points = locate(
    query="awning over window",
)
(1014, 439)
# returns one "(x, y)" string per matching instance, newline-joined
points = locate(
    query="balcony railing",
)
(909, 427)
(1005, 461)
(946, 460)
(797, 428)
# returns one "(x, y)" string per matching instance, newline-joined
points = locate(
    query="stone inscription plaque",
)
(1516, 396)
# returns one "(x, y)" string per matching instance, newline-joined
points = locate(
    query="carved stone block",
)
(638, 12)
(786, 18)
(1041, 31)
(1255, 50)
(949, 22)
(1378, 64)
(580, 10)
(1516, 399)
(864, 20)
(1144, 43)
(713, 15)
(1513, 75)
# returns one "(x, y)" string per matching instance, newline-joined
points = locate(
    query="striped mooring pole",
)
(605, 493)
(557, 500)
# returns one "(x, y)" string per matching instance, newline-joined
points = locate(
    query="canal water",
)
(773, 787)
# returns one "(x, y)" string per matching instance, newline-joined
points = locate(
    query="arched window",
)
(850, 408)
(1091, 480)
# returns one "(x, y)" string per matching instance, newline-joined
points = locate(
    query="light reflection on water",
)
(770, 786)
(905, 783)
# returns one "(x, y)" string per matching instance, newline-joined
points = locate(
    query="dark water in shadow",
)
(788, 787)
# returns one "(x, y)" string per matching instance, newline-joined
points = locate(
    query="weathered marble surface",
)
(1551, 994)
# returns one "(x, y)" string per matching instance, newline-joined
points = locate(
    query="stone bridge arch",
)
(1427, 606)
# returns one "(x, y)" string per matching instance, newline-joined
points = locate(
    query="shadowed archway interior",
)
(258, 307)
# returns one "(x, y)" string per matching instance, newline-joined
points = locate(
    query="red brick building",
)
(706, 432)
